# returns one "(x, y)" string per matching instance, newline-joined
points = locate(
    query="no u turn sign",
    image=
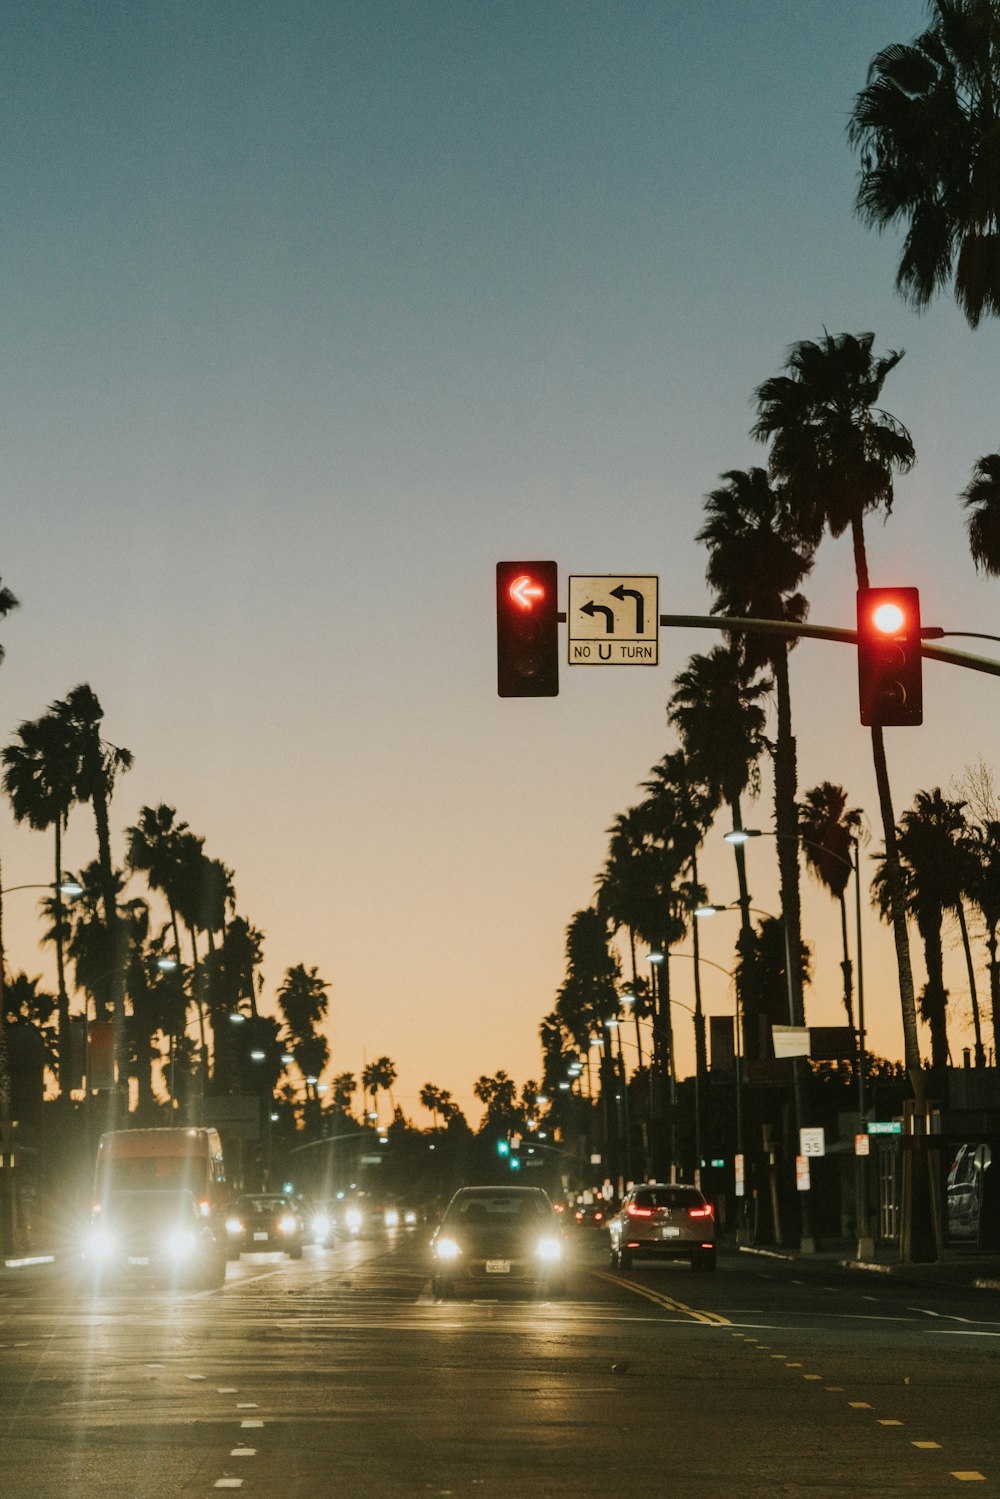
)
(614, 620)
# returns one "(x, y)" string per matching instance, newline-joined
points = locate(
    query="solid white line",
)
(963, 1332)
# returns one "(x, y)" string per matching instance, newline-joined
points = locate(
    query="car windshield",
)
(669, 1197)
(499, 1208)
(151, 1209)
(263, 1204)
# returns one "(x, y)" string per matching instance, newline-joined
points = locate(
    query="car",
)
(664, 1220)
(591, 1214)
(500, 1237)
(260, 1222)
(153, 1235)
(966, 1195)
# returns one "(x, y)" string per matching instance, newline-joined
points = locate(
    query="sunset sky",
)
(312, 313)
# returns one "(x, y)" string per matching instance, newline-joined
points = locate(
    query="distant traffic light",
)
(889, 661)
(503, 1147)
(527, 638)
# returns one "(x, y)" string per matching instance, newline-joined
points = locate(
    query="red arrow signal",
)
(525, 590)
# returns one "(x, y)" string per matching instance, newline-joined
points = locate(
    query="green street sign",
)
(885, 1127)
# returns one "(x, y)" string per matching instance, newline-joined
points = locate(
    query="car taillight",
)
(705, 1212)
(634, 1212)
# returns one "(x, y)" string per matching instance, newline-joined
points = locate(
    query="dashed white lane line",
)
(243, 1452)
(928, 1446)
(194, 1377)
(228, 1483)
(226, 1389)
(249, 1425)
(247, 1405)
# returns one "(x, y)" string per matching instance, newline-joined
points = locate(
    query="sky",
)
(313, 313)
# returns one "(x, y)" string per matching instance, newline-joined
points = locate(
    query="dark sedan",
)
(262, 1222)
(499, 1237)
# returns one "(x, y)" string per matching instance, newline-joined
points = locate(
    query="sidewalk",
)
(971, 1269)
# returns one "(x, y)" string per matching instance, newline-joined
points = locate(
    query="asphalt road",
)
(340, 1375)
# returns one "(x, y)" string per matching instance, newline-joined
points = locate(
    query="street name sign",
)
(614, 620)
(885, 1127)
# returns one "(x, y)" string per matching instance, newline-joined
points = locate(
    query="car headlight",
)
(353, 1219)
(447, 1249)
(287, 1224)
(409, 1218)
(100, 1242)
(234, 1226)
(321, 1226)
(181, 1243)
(391, 1218)
(549, 1249)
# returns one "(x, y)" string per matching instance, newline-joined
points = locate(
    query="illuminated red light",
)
(634, 1212)
(526, 590)
(888, 618)
(705, 1212)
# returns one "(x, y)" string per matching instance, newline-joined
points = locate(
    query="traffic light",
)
(503, 1147)
(527, 639)
(889, 660)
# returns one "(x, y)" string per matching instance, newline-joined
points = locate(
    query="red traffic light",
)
(527, 638)
(889, 658)
(526, 591)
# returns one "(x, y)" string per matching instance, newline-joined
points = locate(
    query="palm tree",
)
(829, 830)
(836, 453)
(983, 889)
(153, 849)
(39, 780)
(982, 498)
(343, 1089)
(932, 878)
(498, 1094)
(757, 560)
(716, 709)
(303, 1001)
(380, 1074)
(926, 126)
(437, 1100)
(8, 603)
(98, 765)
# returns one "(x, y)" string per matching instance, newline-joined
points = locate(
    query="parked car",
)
(153, 1235)
(260, 1222)
(967, 1183)
(665, 1221)
(499, 1236)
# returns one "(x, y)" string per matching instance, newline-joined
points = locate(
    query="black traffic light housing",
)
(527, 638)
(890, 686)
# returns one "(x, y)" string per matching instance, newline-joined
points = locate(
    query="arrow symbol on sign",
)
(621, 592)
(609, 615)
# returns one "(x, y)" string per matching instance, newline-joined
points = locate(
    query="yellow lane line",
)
(669, 1303)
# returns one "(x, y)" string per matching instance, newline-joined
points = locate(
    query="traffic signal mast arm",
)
(748, 626)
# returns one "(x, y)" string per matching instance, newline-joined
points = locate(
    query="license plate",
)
(498, 1267)
(671, 1233)
(138, 1259)
(259, 1236)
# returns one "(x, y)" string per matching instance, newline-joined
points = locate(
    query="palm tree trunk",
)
(845, 966)
(787, 826)
(62, 996)
(971, 970)
(935, 998)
